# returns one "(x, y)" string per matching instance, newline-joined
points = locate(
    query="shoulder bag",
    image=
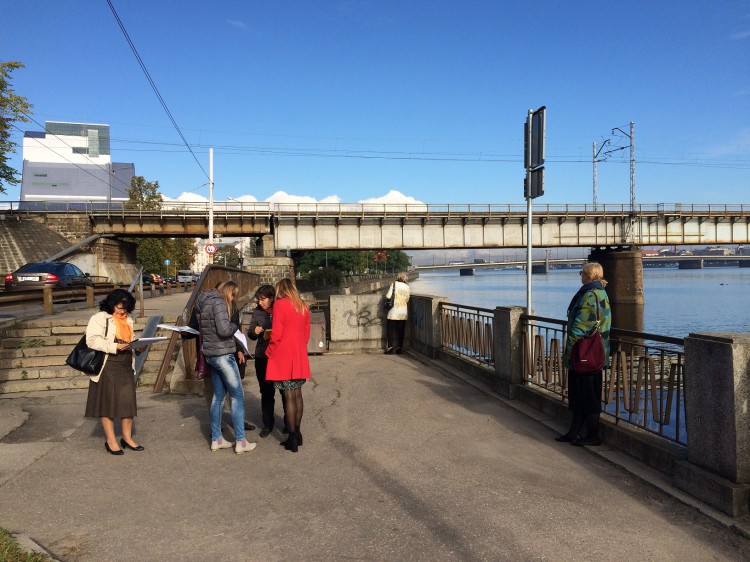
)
(85, 359)
(389, 302)
(201, 369)
(587, 356)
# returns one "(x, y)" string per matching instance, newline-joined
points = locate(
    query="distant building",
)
(71, 162)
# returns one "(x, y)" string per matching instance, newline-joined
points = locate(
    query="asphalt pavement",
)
(402, 460)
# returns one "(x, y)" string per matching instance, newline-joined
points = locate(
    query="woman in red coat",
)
(288, 366)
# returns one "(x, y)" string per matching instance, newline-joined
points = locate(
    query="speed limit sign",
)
(210, 249)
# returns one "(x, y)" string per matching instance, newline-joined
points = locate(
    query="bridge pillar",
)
(268, 246)
(690, 264)
(623, 269)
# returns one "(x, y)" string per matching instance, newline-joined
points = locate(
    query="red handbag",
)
(587, 356)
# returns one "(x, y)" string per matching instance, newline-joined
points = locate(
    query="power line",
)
(153, 85)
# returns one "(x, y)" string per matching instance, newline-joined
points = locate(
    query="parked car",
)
(37, 275)
(152, 278)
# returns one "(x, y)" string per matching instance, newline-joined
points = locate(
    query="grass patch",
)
(11, 552)
(25, 344)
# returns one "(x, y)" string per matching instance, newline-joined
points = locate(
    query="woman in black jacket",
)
(219, 349)
(260, 324)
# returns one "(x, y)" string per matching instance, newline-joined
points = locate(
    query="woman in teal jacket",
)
(589, 305)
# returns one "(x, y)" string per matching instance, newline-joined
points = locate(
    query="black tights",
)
(294, 407)
(592, 425)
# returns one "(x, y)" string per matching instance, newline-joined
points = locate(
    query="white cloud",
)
(238, 24)
(741, 35)
(392, 196)
(188, 197)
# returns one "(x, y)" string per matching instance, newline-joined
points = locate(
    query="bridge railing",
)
(377, 209)
(643, 384)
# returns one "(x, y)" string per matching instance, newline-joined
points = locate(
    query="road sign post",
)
(533, 187)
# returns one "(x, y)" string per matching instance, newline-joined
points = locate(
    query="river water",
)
(678, 302)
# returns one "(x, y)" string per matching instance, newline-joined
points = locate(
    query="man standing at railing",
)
(588, 311)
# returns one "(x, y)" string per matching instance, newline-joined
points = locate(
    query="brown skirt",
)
(114, 395)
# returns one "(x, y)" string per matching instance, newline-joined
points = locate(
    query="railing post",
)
(47, 300)
(507, 336)
(717, 390)
(89, 296)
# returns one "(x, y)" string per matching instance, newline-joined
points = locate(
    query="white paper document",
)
(240, 338)
(143, 342)
(174, 328)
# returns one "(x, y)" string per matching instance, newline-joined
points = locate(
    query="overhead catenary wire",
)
(153, 85)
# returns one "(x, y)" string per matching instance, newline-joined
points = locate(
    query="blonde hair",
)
(402, 277)
(228, 289)
(595, 272)
(285, 289)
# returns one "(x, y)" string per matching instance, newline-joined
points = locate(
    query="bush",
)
(325, 276)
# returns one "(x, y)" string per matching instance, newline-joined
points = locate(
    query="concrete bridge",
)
(345, 226)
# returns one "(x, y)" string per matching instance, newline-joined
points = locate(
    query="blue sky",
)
(354, 99)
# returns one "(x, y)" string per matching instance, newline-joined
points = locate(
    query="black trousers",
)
(394, 331)
(267, 393)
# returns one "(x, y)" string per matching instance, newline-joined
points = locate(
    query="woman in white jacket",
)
(396, 320)
(112, 391)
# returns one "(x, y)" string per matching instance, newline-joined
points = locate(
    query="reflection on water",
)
(677, 301)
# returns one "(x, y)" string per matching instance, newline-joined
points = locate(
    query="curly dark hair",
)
(118, 296)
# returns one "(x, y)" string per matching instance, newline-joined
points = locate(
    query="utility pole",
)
(594, 161)
(210, 201)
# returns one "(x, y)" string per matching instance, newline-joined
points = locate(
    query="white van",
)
(185, 276)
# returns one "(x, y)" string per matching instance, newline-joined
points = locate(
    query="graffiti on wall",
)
(361, 318)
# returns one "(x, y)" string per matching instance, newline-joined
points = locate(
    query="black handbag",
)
(85, 359)
(389, 302)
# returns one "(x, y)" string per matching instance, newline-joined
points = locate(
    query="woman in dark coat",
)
(288, 365)
(112, 391)
(589, 307)
(220, 350)
(259, 330)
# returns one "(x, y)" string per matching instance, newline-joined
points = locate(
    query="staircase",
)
(33, 353)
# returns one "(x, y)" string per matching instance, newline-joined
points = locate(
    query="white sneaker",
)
(244, 446)
(220, 443)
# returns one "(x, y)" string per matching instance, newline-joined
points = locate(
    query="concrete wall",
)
(357, 322)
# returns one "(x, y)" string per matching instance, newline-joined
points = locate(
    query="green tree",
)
(143, 195)
(183, 252)
(227, 255)
(13, 108)
(354, 261)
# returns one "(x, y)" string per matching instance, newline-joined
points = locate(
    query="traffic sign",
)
(210, 249)
(534, 138)
(167, 262)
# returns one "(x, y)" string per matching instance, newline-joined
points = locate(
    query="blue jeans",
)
(225, 376)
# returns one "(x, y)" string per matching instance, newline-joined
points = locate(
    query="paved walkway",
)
(401, 461)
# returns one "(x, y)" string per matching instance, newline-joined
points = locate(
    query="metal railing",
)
(467, 331)
(258, 208)
(643, 384)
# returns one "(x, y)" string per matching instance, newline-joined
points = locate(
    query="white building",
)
(71, 162)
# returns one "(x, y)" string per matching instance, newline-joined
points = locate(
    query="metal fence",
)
(643, 385)
(467, 331)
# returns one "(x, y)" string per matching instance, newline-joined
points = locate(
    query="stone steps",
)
(33, 353)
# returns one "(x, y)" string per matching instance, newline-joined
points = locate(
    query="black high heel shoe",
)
(111, 452)
(125, 445)
(291, 442)
(299, 438)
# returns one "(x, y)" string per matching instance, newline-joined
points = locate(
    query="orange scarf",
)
(123, 330)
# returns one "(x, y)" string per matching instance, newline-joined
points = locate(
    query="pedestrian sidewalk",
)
(401, 460)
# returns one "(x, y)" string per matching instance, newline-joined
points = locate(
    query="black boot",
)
(299, 438)
(291, 442)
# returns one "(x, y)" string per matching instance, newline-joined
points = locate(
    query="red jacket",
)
(287, 350)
